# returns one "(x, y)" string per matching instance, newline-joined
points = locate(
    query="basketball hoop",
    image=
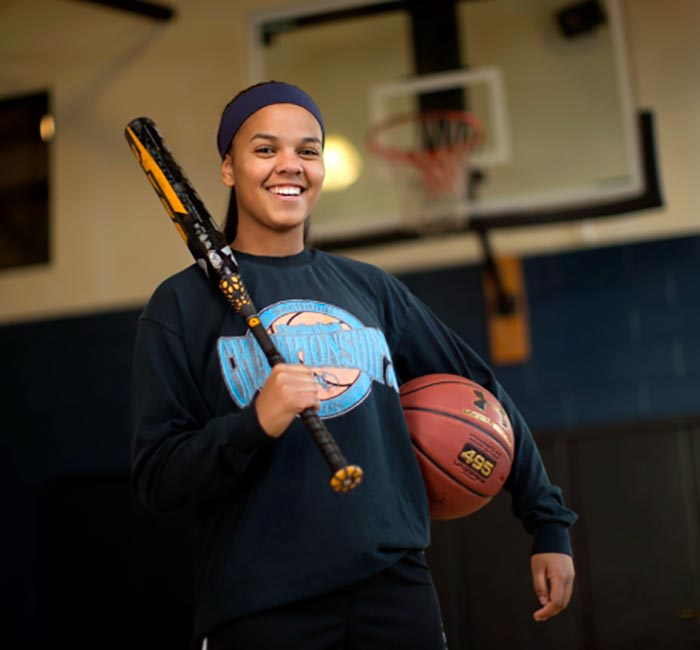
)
(429, 154)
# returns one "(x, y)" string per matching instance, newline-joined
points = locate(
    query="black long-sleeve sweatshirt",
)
(269, 528)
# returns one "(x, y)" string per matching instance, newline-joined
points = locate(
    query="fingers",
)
(552, 604)
(553, 581)
(289, 390)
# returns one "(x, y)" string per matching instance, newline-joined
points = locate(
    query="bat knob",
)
(346, 478)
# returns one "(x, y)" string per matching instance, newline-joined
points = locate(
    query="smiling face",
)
(276, 166)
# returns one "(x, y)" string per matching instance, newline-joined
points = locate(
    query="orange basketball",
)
(463, 440)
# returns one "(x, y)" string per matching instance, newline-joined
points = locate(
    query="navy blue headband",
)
(255, 98)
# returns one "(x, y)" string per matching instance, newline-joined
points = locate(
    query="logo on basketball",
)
(480, 401)
(346, 356)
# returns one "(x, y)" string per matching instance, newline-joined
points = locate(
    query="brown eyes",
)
(304, 153)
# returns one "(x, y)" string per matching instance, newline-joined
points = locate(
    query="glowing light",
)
(343, 163)
(47, 127)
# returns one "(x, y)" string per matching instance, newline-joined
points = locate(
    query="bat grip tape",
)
(323, 439)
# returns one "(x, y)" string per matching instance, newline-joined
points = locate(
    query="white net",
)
(429, 155)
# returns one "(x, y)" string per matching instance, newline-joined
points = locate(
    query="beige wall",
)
(112, 242)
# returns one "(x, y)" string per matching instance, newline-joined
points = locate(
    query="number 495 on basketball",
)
(472, 458)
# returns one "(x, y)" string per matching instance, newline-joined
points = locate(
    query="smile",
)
(286, 190)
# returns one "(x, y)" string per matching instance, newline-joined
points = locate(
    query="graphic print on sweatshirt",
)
(346, 356)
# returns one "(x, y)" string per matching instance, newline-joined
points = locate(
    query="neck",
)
(279, 245)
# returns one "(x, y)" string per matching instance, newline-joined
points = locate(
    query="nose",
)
(288, 162)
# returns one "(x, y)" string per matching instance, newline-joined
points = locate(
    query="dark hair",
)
(231, 220)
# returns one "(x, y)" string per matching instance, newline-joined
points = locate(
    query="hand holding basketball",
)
(463, 440)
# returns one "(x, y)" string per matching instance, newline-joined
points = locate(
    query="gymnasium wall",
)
(110, 241)
(614, 332)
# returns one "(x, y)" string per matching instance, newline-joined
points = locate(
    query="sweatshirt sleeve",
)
(182, 455)
(424, 345)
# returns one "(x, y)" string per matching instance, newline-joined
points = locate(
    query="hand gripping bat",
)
(208, 246)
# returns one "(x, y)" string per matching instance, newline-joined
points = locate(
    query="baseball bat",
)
(207, 244)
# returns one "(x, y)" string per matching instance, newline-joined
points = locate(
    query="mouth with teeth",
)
(286, 190)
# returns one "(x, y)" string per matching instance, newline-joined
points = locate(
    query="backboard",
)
(563, 135)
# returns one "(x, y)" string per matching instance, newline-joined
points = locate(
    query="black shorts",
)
(396, 608)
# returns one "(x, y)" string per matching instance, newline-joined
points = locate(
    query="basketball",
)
(463, 440)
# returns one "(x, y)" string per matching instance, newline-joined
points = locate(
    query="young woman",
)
(282, 561)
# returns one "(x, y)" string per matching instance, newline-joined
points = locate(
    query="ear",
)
(227, 171)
